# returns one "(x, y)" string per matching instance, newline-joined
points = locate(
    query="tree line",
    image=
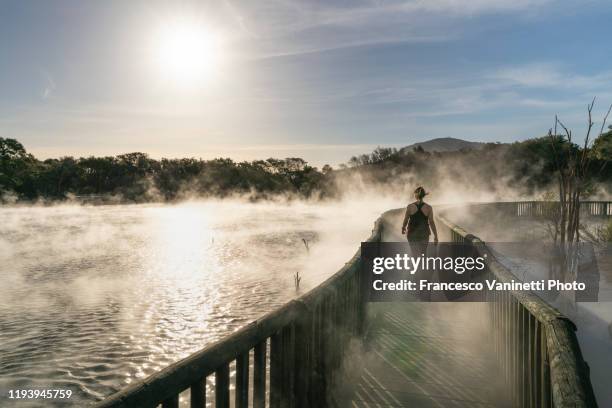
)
(527, 167)
(136, 177)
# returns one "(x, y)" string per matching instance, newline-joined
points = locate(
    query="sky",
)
(318, 79)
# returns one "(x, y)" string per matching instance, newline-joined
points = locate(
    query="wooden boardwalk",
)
(423, 355)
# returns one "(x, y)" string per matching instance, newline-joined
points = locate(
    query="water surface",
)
(94, 298)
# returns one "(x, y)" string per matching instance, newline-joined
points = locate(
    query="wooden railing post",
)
(222, 395)
(198, 394)
(537, 364)
(172, 402)
(259, 375)
(275, 370)
(523, 356)
(361, 300)
(287, 368)
(303, 358)
(324, 352)
(546, 388)
(316, 374)
(242, 380)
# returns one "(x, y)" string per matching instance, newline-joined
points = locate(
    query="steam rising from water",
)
(97, 297)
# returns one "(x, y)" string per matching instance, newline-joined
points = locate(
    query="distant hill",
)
(444, 144)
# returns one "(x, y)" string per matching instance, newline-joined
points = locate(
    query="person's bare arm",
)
(432, 224)
(406, 217)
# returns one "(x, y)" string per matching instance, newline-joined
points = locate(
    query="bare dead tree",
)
(551, 215)
(572, 163)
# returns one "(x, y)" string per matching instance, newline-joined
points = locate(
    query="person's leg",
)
(418, 249)
(424, 274)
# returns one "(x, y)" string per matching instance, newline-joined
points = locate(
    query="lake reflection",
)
(94, 298)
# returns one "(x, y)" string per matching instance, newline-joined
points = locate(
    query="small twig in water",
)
(296, 280)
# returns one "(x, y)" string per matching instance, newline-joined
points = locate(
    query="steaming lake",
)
(96, 297)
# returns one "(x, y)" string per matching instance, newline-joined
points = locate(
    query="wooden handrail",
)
(529, 326)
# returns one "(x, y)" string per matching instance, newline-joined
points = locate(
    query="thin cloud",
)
(355, 43)
(294, 27)
(298, 15)
(49, 86)
(550, 75)
(508, 89)
(478, 6)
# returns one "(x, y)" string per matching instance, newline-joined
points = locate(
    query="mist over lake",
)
(96, 297)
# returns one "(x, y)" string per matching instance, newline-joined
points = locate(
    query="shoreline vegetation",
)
(526, 167)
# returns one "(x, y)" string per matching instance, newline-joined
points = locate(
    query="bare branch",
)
(568, 133)
(605, 119)
(590, 111)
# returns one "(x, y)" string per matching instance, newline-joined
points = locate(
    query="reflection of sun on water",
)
(183, 241)
(181, 264)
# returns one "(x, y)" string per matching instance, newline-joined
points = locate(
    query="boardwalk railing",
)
(536, 344)
(293, 351)
(547, 208)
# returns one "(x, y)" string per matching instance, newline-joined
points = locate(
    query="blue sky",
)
(318, 79)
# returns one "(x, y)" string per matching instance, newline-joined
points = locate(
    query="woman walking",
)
(419, 223)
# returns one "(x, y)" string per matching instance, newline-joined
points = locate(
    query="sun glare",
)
(187, 53)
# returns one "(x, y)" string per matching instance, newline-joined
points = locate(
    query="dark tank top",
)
(418, 225)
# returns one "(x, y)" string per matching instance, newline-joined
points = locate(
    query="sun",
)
(187, 53)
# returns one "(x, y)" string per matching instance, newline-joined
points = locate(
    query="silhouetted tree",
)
(18, 169)
(572, 165)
